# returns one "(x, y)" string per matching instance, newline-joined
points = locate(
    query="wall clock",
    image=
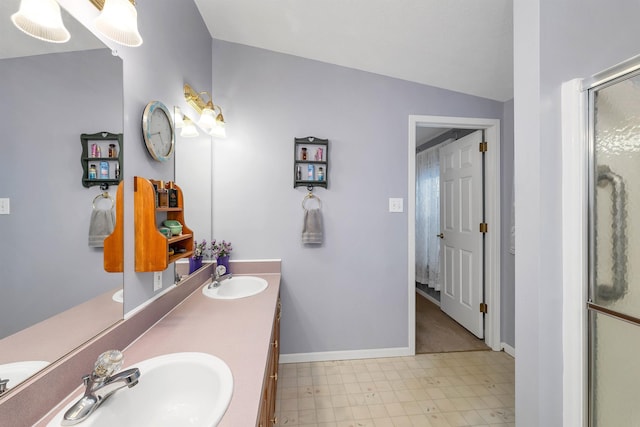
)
(157, 131)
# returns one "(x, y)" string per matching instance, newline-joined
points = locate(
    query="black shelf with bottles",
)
(101, 165)
(310, 162)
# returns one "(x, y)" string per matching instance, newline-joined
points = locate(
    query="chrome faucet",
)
(216, 276)
(3, 385)
(100, 385)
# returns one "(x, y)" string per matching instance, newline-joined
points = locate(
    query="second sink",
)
(236, 287)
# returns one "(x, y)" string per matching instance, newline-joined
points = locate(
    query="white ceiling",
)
(460, 45)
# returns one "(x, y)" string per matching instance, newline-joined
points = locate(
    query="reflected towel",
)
(312, 230)
(101, 225)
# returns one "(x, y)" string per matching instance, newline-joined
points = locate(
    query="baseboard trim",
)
(508, 349)
(326, 356)
(429, 297)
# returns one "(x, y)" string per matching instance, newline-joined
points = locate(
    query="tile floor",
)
(427, 390)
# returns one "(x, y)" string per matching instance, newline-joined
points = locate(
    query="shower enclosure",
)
(614, 252)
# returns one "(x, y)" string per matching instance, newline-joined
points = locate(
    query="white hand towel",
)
(312, 231)
(101, 225)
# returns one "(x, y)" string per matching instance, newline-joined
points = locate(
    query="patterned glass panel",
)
(615, 382)
(616, 212)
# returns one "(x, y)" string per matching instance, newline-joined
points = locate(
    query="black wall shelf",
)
(310, 162)
(102, 140)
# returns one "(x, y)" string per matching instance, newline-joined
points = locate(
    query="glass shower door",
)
(614, 255)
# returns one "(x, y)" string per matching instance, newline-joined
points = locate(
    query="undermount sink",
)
(17, 372)
(236, 287)
(178, 389)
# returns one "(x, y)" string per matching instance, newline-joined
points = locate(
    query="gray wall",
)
(48, 101)
(351, 293)
(554, 42)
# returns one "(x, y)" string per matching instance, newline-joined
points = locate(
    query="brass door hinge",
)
(484, 227)
(484, 308)
(483, 147)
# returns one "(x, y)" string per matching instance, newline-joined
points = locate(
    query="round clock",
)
(157, 131)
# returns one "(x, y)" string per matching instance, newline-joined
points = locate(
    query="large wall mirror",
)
(54, 291)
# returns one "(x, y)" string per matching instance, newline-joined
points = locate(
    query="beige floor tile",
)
(288, 418)
(411, 408)
(325, 415)
(361, 412)
(307, 416)
(402, 421)
(455, 419)
(340, 400)
(404, 396)
(304, 381)
(343, 413)
(395, 409)
(322, 402)
(473, 418)
(378, 411)
(288, 405)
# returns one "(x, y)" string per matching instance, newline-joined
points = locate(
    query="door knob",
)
(441, 235)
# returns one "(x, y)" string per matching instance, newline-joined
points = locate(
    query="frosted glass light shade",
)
(189, 129)
(119, 22)
(218, 131)
(41, 19)
(207, 119)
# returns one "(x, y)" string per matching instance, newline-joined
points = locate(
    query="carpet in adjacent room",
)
(438, 333)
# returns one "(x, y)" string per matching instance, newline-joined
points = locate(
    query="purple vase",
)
(194, 264)
(224, 260)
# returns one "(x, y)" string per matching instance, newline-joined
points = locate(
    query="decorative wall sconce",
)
(185, 124)
(211, 118)
(41, 19)
(118, 21)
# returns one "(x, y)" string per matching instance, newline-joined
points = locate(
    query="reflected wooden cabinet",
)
(153, 250)
(114, 243)
(267, 416)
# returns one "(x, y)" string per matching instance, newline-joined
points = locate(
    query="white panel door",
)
(461, 244)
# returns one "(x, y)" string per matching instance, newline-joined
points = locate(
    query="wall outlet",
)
(4, 207)
(157, 280)
(396, 205)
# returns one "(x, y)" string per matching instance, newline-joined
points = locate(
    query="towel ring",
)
(104, 195)
(311, 196)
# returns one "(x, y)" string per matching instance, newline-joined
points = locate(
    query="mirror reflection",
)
(193, 160)
(55, 293)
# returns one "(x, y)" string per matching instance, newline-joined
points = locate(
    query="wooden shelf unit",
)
(151, 246)
(114, 243)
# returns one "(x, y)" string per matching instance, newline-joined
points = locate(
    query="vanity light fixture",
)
(118, 21)
(211, 118)
(41, 19)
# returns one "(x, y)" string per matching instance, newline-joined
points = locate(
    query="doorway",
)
(492, 216)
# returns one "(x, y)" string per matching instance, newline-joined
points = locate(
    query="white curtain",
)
(428, 217)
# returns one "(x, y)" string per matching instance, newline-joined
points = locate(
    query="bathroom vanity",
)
(242, 332)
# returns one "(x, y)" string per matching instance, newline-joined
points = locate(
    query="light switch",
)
(396, 205)
(4, 207)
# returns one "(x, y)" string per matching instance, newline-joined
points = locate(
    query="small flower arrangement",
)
(219, 250)
(199, 249)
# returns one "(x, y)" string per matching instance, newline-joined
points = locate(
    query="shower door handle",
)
(441, 235)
